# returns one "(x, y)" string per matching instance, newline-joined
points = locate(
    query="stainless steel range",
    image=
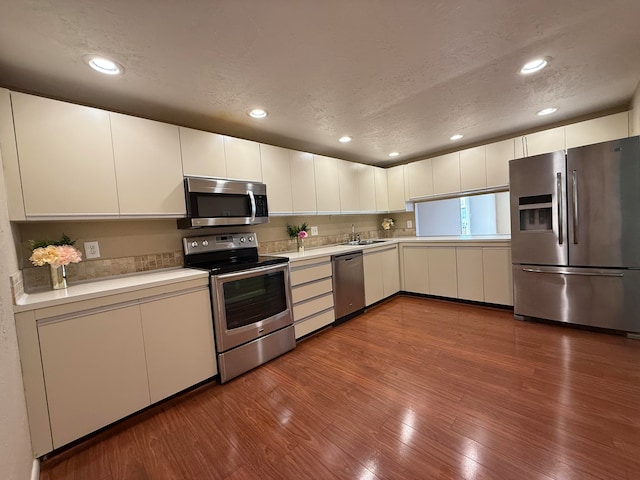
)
(250, 298)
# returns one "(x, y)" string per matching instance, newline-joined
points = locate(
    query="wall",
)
(503, 213)
(15, 444)
(634, 113)
(130, 246)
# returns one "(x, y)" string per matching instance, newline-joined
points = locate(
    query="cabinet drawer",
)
(310, 290)
(309, 274)
(305, 309)
(314, 323)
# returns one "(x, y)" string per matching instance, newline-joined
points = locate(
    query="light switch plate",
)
(409, 224)
(91, 250)
(314, 230)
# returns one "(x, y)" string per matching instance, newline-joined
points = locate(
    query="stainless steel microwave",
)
(214, 202)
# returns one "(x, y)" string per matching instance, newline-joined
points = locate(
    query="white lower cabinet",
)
(312, 295)
(178, 353)
(381, 274)
(94, 370)
(478, 273)
(102, 362)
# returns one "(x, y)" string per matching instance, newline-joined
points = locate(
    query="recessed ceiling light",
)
(345, 139)
(534, 66)
(258, 113)
(103, 65)
(457, 136)
(394, 154)
(548, 111)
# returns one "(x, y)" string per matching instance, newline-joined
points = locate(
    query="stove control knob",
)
(194, 244)
(205, 243)
(241, 239)
(251, 239)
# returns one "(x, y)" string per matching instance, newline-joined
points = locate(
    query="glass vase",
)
(300, 245)
(58, 277)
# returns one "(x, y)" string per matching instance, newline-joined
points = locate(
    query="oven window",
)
(253, 299)
(222, 205)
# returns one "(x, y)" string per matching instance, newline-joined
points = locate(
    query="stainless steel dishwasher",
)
(348, 285)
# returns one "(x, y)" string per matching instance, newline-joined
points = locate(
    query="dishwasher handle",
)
(346, 257)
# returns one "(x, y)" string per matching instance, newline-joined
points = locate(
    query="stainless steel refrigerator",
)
(575, 235)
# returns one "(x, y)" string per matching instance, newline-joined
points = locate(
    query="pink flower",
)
(302, 234)
(55, 255)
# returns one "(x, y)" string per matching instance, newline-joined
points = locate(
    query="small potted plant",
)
(299, 232)
(57, 254)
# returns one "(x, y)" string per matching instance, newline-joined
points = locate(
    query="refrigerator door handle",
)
(574, 181)
(571, 272)
(560, 213)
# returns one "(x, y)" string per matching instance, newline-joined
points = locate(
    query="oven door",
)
(250, 304)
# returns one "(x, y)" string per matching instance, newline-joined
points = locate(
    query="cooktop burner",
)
(226, 253)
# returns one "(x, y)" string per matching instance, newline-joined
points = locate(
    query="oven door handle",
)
(253, 271)
(253, 205)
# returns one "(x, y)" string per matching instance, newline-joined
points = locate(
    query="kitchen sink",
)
(365, 242)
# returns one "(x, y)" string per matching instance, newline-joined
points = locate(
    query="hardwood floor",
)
(413, 389)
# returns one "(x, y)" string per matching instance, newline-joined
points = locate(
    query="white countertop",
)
(336, 249)
(102, 288)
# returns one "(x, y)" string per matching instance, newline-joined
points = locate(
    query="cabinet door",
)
(603, 129)
(390, 271)
(9, 160)
(443, 279)
(66, 158)
(148, 167)
(420, 178)
(446, 173)
(243, 159)
(498, 283)
(382, 189)
(498, 155)
(94, 371)
(202, 153)
(546, 141)
(473, 171)
(348, 181)
(396, 190)
(415, 267)
(373, 281)
(470, 273)
(367, 188)
(179, 348)
(327, 185)
(303, 183)
(276, 173)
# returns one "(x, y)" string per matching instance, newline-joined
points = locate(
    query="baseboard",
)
(35, 469)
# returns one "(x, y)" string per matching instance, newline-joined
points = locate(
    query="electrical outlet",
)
(91, 250)
(314, 230)
(409, 224)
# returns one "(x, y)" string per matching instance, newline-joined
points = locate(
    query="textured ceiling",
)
(395, 74)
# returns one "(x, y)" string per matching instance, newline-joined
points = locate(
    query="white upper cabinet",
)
(597, 130)
(276, 174)
(202, 153)
(367, 188)
(473, 171)
(446, 173)
(148, 167)
(10, 164)
(243, 159)
(396, 188)
(303, 183)
(66, 159)
(327, 184)
(538, 143)
(420, 178)
(348, 181)
(498, 156)
(382, 189)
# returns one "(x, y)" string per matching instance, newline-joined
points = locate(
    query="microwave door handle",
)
(253, 205)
